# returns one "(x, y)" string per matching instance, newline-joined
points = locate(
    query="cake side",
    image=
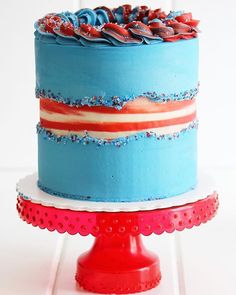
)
(98, 76)
(117, 123)
(143, 169)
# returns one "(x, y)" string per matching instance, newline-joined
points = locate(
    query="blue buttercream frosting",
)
(102, 17)
(75, 73)
(69, 17)
(86, 16)
(145, 169)
(86, 70)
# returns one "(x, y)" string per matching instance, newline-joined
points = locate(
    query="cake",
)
(117, 90)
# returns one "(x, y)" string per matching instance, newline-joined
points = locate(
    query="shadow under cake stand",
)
(118, 262)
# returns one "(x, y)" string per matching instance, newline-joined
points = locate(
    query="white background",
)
(209, 253)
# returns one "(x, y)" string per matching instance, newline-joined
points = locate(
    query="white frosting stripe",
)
(98, 117)
(107, 123)
(113, 135)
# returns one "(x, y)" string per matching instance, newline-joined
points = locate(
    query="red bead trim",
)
(133, 223)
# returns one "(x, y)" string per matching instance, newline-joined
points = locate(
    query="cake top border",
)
(120, 26)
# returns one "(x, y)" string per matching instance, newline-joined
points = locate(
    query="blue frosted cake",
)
(117, 91)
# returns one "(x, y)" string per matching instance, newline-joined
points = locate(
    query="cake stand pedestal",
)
(118, 262)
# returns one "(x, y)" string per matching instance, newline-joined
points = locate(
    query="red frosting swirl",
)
(119, 26)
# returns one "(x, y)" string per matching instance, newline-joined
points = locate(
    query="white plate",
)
(28, 189)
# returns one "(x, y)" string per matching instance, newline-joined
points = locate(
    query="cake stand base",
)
(118, 264)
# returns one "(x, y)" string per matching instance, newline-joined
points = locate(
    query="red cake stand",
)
(118, 262)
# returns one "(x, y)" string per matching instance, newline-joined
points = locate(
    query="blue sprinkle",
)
(116, 101)
(118, 142)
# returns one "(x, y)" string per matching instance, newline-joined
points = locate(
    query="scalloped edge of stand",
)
(28, 189)
(121, 223)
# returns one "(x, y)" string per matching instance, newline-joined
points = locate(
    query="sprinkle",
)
(118, 142)
(116, 101)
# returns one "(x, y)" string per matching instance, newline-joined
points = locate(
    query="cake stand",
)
(118, 262)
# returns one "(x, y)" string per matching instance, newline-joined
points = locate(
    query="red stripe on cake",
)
(138, 106)
(115, 126)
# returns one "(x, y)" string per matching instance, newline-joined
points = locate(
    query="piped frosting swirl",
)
(116, 27)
